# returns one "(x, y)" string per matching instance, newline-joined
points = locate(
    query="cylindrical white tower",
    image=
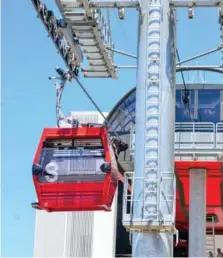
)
(155, 120)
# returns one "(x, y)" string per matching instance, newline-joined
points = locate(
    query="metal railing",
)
(219, 136)
(154, 219)
(193, 136)
(127, 196)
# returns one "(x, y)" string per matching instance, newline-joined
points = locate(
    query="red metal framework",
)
(214, 192)
(83, 192)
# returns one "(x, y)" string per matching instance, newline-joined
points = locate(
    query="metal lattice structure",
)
(94, 36)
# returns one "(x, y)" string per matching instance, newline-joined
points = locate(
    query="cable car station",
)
(177, 181)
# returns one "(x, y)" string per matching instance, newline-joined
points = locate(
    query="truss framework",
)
(83, 31)
(195, 3)
(68, 5)
(67, 46)
(94, 36)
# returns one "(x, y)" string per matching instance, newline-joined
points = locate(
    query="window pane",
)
(70, 162)
(209, 106)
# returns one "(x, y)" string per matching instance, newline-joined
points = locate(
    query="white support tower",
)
(153, 182)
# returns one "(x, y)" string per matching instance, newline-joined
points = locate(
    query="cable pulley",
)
(64, 76)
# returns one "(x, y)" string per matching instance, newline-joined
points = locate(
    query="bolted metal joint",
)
(121, 13)
(191, 10)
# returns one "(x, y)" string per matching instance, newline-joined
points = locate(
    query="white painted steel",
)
(71, 4)
(195, 3)
(89, 27)
(193, 137)
(129, 202)
(155, 104)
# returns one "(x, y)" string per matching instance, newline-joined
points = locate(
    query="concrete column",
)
(197, 213)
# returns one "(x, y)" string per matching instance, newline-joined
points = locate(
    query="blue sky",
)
(28, 99)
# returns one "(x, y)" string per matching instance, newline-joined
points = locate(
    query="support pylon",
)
(155, 119)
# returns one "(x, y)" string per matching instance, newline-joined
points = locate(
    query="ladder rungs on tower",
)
(210, 237)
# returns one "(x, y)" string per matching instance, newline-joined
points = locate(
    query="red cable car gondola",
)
(75, 169)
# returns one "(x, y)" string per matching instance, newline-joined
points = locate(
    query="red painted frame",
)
(66, 196)
(214, 191)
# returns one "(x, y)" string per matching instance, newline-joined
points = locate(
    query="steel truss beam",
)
(211, 68)
(136, 4)
(67, 47)
(216, 69)
(88, 26)
(68, 6)
(201, 55)
(179, 63)
(122, 52)
(195, 3)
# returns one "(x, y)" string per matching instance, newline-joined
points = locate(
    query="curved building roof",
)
(122, 116)
(205, 108)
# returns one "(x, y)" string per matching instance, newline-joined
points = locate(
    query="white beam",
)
(135, 4)
(195, 3)
(201, 55)
(209, 68)
(102, 4)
